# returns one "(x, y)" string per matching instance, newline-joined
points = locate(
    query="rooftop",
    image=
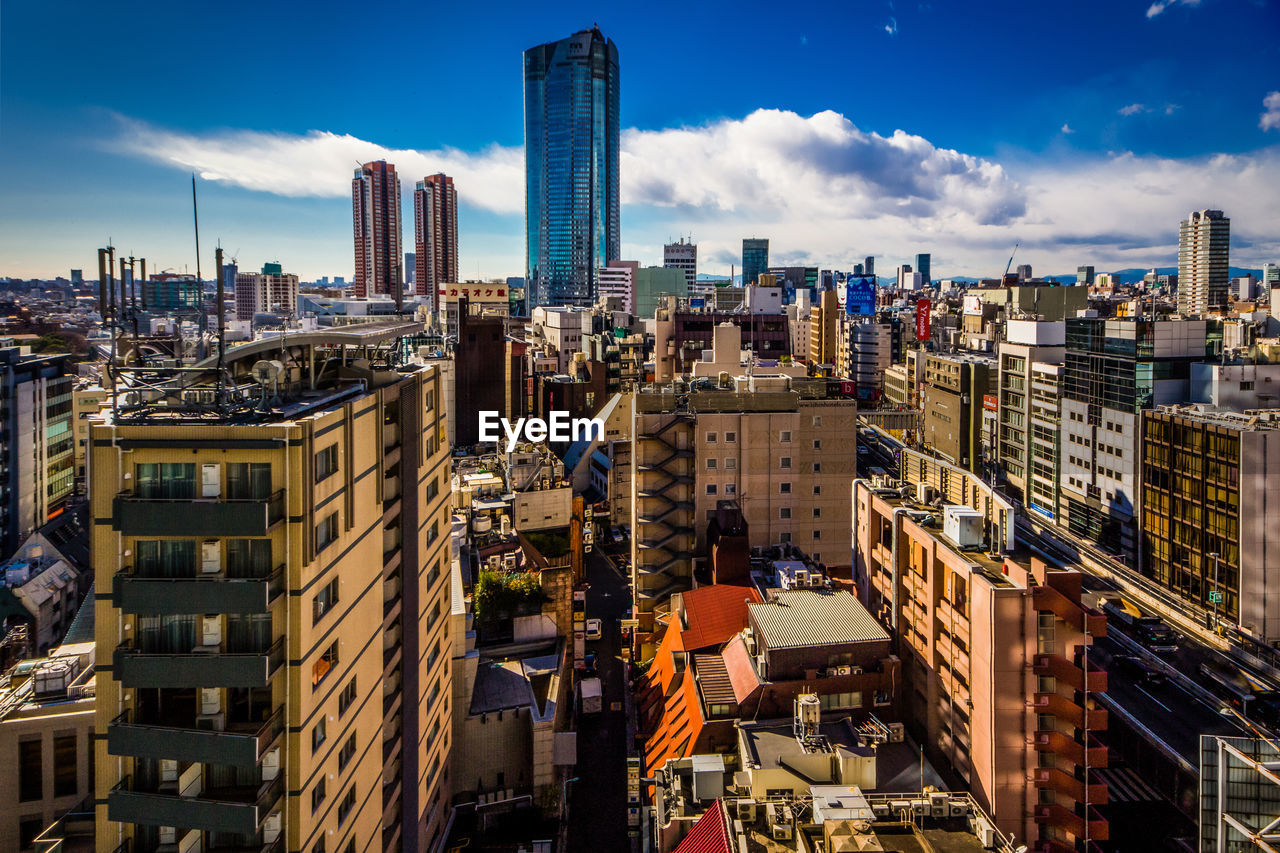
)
(806, 617)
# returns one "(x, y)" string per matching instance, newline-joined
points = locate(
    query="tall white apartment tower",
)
(1204, 246)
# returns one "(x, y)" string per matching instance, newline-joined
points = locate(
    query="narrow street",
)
(597, 800)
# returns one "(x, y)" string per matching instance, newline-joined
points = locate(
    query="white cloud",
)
(1132, 109)
(824, 191)
(1270, 118)
(1066, 128)
(320, 164)
(1159, 6)
(892, 27)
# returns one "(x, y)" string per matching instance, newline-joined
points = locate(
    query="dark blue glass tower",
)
(571, 166)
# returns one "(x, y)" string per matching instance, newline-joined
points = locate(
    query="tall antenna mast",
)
(195, 217)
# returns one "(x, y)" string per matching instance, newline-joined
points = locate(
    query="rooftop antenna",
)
(195, 217)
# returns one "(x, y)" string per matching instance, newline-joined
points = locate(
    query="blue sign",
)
(860, 296)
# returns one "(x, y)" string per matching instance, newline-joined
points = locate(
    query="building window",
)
(785, 436)
(817, 445)
(325, 664)
(30, 770)
(433, 532)
(784, 512)
(817, 490)
(817, 467)
(817, 420)
(347, 697)
(319, 732)
(248, 481)
(784, 488)
(817, 534)
(324, 601)
(327, 462)
(326, 531)
(784, 462)
(28, 829)
(64, 766)
(711, 464)
(730, 463)
(731, 437)
(433, 575)
(347, 804)
(817, 512)
(347, 753)
(317, 797)
(166, 480)
(433, 488)
(711, 488)
(711, 438)
(730, 488)
(784, 537)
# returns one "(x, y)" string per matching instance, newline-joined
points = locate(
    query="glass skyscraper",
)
(755, 258)
(571, 166)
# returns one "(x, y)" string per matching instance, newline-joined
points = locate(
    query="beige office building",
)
(778, 446)
(273, 628)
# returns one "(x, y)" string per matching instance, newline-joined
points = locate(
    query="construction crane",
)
(1009, 265)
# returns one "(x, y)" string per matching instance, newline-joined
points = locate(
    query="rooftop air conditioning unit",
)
(212, 722)
(745, 810)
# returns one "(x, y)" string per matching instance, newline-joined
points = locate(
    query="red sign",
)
(922, 320)
(990, 401)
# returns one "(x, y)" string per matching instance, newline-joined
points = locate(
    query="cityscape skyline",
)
(830, 172)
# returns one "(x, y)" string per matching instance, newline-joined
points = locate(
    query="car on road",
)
(1138, 669)
(593, 629)
(617, 534)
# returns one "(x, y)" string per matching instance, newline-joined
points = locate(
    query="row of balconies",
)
(211, 593)
(1065, 746)
(1094, 681)
(203, 666)
(1079, 617)
(135, 516)
(209, 740)
(241, 810)
(1060, 816)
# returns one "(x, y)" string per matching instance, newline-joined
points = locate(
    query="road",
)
(597, 800)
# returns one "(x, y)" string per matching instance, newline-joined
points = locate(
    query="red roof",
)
(710, 834)
(714, 614)
(670, 714)
(742, 674)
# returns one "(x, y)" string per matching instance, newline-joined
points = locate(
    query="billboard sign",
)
(922, 320)
(859, 296)
(973, 305)
(473, 292)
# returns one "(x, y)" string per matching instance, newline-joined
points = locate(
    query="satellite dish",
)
(267, 371)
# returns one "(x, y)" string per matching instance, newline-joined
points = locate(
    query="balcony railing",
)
(138, 516)
(240, 744)
(212, 593)
(238, 810)
(211, 666)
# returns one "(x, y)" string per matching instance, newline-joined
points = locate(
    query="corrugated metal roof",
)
(710, 834)
(806, 617)
(713, 679)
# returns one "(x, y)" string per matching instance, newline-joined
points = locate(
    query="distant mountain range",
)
(1129, 275)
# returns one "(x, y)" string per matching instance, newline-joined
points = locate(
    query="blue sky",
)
(1082, 130)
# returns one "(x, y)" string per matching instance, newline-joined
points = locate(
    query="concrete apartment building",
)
(37, 442)
(46, 736)
(270, 290)
(617, 281)
(684, 257)
(1026, 344)
(279, 604)
(39, 587)
(824, 329)
(951, 397)
(1209, 492)
(777, 445)
(864, 353)
(1113, 370)
(1204, 249)
(994, 645)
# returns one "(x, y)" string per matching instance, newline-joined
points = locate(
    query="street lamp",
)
(564, 797)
